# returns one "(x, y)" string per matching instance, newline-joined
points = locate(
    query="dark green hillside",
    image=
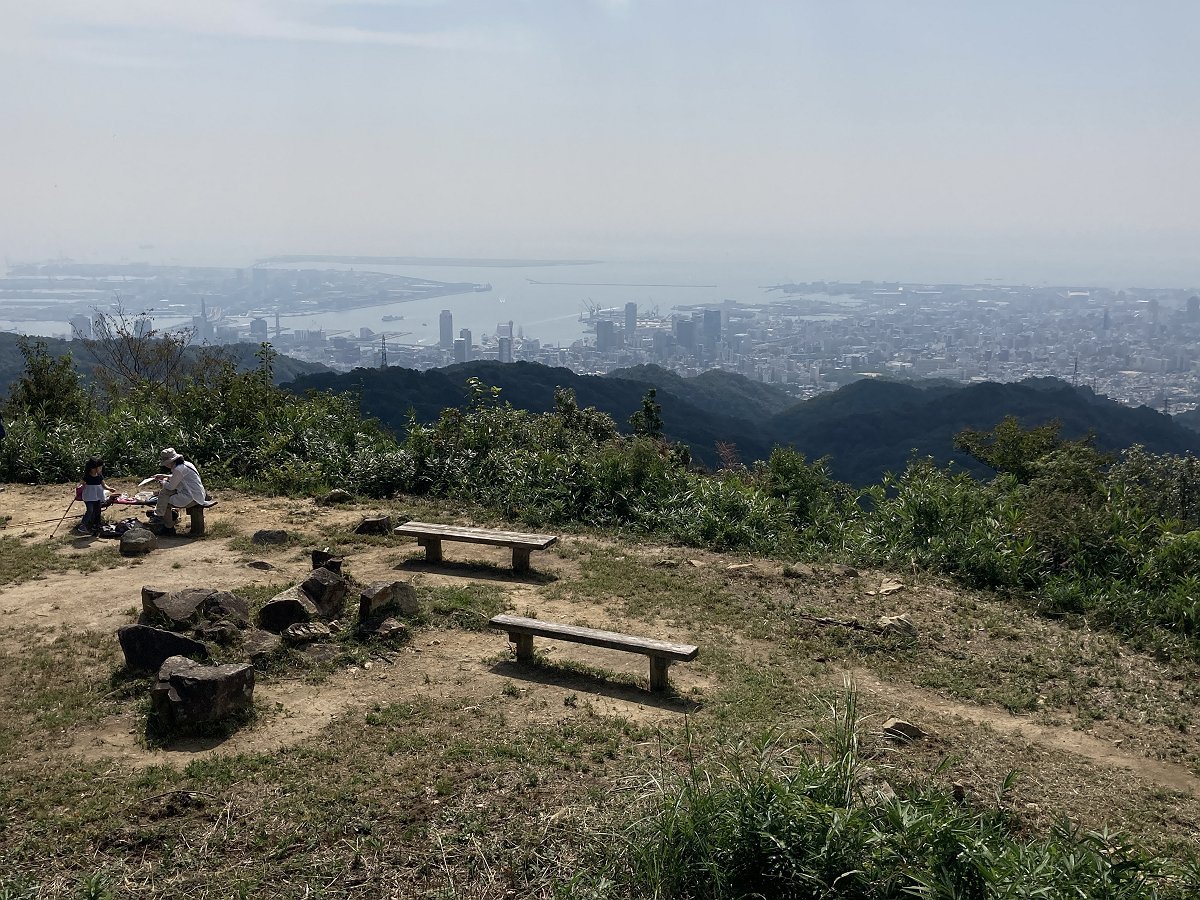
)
(871, 427)
(714, 391)
(389, 395)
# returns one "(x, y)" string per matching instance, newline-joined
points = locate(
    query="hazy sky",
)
(963, 139)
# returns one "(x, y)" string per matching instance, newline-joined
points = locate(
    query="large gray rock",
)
(900, 626)
(147, 648)
(323, 559)
(188, 694)
(381, 598)
(286, 608)
(337, 495)
(327, 590)
(222, 605)
(259, 646)
(138, 542)
(179, 610)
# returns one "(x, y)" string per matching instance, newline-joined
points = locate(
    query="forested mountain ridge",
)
(866, 428)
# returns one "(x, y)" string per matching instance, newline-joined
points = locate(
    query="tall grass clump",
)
(770, 819)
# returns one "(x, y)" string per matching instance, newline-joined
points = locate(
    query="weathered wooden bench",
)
(430, 536)
(522, 631)
(195, 512)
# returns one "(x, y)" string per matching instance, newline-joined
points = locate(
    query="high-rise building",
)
(712, 327)
(605, 335)
(446, 330)
(460, 350)
(630, 321)
(81, 328)
(685, 333)
(504, 329)
(258, 330)
(504, 353)
(142, 326)
(465, 334)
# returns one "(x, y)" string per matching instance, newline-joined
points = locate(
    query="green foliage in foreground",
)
(772, 821)
(1061, 525)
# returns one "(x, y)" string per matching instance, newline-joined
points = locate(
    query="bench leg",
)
(197, 516)
(524, 644)
(658, 673)
(521, 559)
(433, 549)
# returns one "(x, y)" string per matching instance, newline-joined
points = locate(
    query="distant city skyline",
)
(924, 141)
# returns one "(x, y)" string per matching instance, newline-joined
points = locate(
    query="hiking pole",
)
(64, 516)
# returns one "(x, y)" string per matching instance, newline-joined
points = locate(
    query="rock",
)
(189, 694)
(146, 648)
(269, 536)
(321, 653)
(959, 791)
(260, 564)
(390, 629)
(798, 570)
(375, 525)
(337, 495)
(260, 645)
(138, 542)
(328, 591)
(306, 633)
(221, 632)
(900, 730)
(285, 609)
(323, 559)
(844, 571)
(900, 626)
(179, 610)
(890, 586)
(382, 597)
(222, 605)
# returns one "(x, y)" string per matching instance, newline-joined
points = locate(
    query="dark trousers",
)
(91, 518)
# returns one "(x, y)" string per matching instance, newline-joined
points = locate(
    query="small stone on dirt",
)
(324, 559)
(269, 536)
(337, 495)
(260, 564)
(138, 542)
(375, 525)
(890, 586)
(901, 730)
(843, 571)
(900, 626)
(306, 632)
(698, 563)
(390, 628)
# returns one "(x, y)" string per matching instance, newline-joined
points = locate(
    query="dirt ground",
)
(1079, 757)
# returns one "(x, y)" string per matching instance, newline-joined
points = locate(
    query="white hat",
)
(168, 456)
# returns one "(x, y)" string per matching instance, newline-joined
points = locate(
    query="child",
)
(95, 493)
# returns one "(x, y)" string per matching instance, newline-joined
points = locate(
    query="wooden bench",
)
(522, 631)
(195, 512)
(430, 537)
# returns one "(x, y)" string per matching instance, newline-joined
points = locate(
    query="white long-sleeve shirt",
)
(185, 482)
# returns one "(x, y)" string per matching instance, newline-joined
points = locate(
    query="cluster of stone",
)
(176, 628)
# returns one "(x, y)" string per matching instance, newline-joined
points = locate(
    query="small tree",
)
(128, 355)
(1009, 448)
(647, 421)
(50, 389)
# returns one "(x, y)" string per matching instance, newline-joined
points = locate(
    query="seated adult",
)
(180, 487)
